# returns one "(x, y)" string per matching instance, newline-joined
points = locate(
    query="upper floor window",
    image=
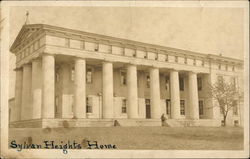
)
(226, 67)
(233, 68)
(57, 77)
(166, 82)
(89, 75)
(233, 80)
(123, 77)
(185, 60)
(219, 66)
(182, 107)
(203, 63)
(88, 105)
(72, 77)
(148, 81)
(67, 42)
(166, 59)
(176, 58)
(194, 62)
(96, 47)
(82, 45)
(124, 106)
(181, 83)
(220, 78)
(201, 107)
(199, 83)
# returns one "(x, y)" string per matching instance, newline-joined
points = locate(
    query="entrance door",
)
(148, 113)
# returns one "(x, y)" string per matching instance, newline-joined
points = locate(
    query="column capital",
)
(78, 58)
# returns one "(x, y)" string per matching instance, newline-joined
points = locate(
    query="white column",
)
(48, 80)
(26, 109)
(107, 90)
(175, 94)
(18, 95)
(132, 95)
(79, 108)
(155, 93)
(36, 88)
(193, 96)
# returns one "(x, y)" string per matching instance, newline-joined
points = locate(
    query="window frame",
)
(201, 100)
(124, 100)
(123, 72)
(182, 111)
(92, 72)
(181, 86)
(199, 83)
(89, 105)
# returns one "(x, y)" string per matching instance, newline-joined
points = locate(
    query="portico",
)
(84, 78)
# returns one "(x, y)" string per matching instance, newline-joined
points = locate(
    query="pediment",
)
(25, 33)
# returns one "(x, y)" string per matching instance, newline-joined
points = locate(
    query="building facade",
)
(87, 79)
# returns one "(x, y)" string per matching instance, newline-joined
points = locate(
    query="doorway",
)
(148, 111)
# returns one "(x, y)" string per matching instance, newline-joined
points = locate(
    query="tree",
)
(225, 93)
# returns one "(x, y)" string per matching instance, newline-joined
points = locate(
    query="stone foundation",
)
(56, 123)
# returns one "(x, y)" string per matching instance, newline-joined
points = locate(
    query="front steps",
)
(55, 123)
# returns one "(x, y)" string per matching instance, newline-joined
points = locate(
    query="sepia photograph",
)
(124, 79)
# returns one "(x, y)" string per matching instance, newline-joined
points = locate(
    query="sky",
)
(204, 30)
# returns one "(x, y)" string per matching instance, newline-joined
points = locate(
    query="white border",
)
(11, 153)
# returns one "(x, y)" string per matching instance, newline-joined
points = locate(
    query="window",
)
(201, 107)
(167, 82)
(236, 123)
(89, 75)
(89, 105)
(203, 63)
(182, 105)
(235, 107)
(123, 77)
(199, 83)
(66, 42)
(181, 83)
(124, 106)
(233, 79)
(233, 68)
(148, 81)
(82, 45)
(72, 77)
(56, 104)
(166, 59)
(194, 62)
(220, 78)
(110, 49)
(156, 56)
(221, 110)
(168, 107)
(185, 60)
(57, 77)
(226, 67)
(219, 66)
(176, 59)
(96, 47)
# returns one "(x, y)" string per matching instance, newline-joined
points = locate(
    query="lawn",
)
(155, 138)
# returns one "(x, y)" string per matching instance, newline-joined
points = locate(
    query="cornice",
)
(103, 39)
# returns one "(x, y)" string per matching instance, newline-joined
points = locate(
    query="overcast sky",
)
(204, 30)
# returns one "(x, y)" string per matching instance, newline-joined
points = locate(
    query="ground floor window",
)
(235, 108)
(201, 107)
(124, 106)
(89, 104)
(168, 108)
(182, 105)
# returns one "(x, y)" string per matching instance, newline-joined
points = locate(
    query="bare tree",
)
(226, 94)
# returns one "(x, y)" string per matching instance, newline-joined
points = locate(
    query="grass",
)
(155, 138)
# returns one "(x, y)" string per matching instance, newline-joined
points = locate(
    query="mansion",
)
(86, 79)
